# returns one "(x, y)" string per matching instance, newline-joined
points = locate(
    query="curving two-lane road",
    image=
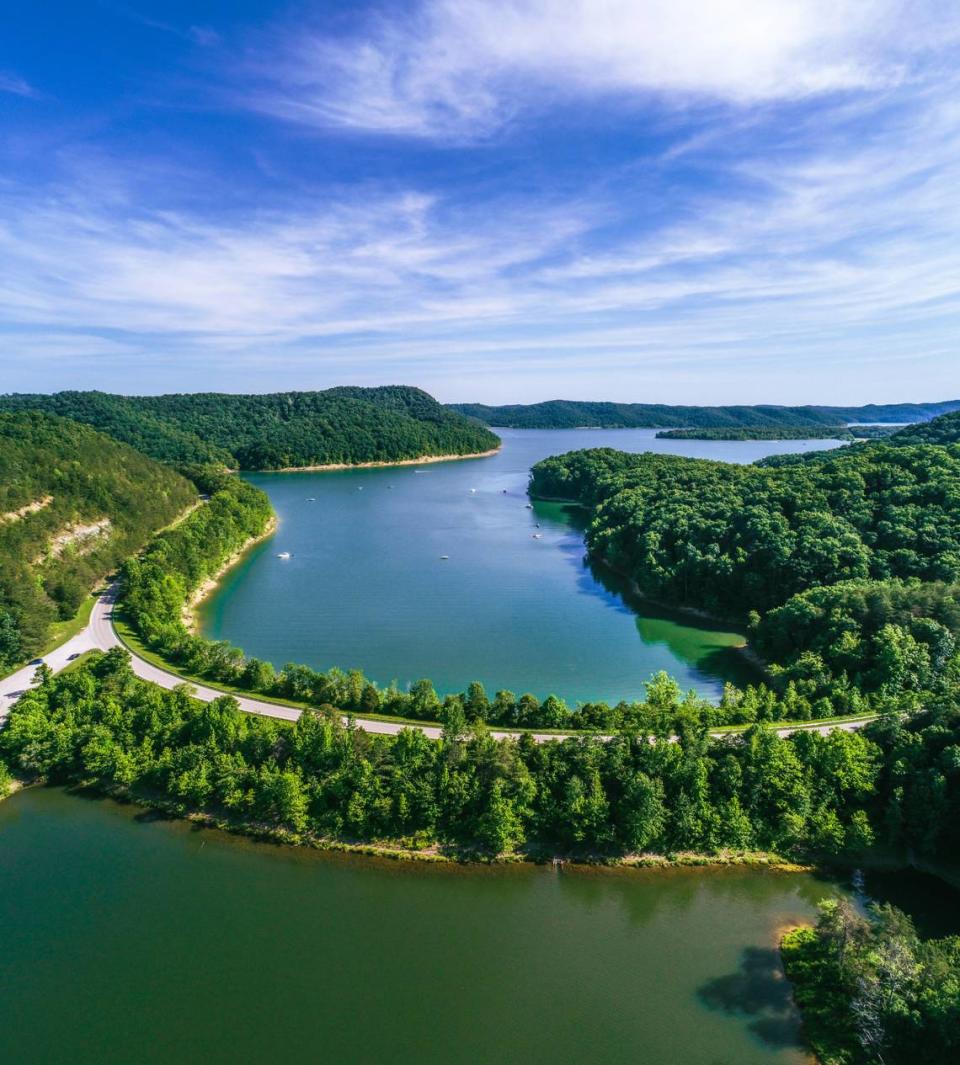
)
(101, 635)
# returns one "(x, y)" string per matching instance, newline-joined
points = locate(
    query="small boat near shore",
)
(283, 554)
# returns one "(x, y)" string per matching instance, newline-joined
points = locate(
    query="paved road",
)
(101, 635)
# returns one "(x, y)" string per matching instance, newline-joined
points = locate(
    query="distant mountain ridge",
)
(569, 414)
(346, 425)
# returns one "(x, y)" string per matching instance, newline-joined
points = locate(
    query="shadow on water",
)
(932, 903)
(710, 647)
(758, 990)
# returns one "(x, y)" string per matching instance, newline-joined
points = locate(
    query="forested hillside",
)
(846, 566)
(568, 414)
(733, 538)
(341, 425)
(943, 430)
(73, 505)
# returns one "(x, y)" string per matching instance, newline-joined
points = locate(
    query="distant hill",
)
(73, 505)
(340, 425)
(567, 414)
(942, 430)
(780, 432)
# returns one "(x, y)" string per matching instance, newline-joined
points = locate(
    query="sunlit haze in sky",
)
(700, 201)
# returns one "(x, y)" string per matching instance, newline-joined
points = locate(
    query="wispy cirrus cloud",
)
(461, 69)
(797, 254)
(807, 218)
(15, 85)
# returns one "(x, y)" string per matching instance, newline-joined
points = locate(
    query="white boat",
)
(538, 536)
(444, 556)
(473, 489)
(529, 506)
(283, 554)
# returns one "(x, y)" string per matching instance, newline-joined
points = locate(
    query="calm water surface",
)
(130, 940)
(367, 587)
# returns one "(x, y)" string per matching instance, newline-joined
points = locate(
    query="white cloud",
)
(830, 243)
(460, 69)
(14, 84)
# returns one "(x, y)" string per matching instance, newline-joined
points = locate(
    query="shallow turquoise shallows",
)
(130, 941)
(513, 604)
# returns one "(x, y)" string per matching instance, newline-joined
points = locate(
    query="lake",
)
(129, 939)
(367, 585)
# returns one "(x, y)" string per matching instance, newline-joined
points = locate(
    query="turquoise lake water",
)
(367, 586)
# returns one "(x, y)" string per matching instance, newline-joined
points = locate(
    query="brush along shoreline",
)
(202, 591)
(406, 851)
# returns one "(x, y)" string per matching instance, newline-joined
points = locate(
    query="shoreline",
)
(207, 587)
(423, 461)
(434, 853)
(744, 650)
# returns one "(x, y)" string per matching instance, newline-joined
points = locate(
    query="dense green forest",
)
(782, 432)
(568, 414)
(846, 566)
(872, 991)
(897, 782)
(733, 539)
(340, 425)
(73, 505)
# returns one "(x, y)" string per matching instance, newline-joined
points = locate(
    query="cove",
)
(132, 939)
(514, 605)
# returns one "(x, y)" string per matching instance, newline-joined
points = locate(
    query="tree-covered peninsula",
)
(780, 432)
(73, 505)
(286, 429)
(733, 539)
(846, 567)
(872, 991)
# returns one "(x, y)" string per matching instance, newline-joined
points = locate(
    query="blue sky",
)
(702, 201)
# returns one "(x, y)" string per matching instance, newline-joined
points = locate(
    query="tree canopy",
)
(258, 432)
(732, 539)
(73, 505)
